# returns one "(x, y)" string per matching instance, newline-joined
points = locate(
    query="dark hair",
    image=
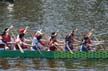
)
(21, 35)
(39, 37)
(53, 33)
(53, 36)
(4, 32)
(5, 29)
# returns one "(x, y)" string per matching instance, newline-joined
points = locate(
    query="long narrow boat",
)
(54, 55)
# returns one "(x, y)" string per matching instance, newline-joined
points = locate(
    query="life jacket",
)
(72, 38)
(83, 47)
(20, 41)
(87, 40)
(37, 39)
(51, 45)
(85, 44)
(7, 38)
(68, 41)
(38, 44)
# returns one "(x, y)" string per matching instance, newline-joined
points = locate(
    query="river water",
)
(53, 15)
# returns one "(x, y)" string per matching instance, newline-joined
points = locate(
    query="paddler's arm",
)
(57, 44)
(60, 42)
(26, 44)
(77, 41)
(45, 36)
(27, 40)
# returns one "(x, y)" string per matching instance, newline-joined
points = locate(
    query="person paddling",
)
(7, 33)
(3, 44)
(86, 42)
(22, 41)
(54, 44)
(39, 43)
(7, 36)
(70, 40)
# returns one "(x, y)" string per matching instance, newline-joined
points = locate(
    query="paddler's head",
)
(21, 30)
(2, 35)
(38, 33)
(53, 35)
(5, 29)
(88, 34)
(21, 35)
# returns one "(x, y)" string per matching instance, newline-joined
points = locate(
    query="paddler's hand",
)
(11, 27)
(76, 30)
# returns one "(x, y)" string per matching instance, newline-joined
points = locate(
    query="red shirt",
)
(7, 38)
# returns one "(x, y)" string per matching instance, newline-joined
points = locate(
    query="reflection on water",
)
(53, 65)
(53, 15)
(10, 10)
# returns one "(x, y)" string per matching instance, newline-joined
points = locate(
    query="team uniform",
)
(21, 42)
(85, 45)
(37, 43)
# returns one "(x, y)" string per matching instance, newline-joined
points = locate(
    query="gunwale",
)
(53, 54)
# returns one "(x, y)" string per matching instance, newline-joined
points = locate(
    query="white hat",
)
(39, 32)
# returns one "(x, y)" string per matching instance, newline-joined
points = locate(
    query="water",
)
(53, 15)
(53, 65)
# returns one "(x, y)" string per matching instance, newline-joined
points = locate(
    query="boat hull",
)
(53, 55)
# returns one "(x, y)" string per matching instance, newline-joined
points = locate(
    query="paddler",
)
(54, 44)
(3, 44)
(22, 41)
(70, 40)
(7, 36)
(38, 42)
(86, 42)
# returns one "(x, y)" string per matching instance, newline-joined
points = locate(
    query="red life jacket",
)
(42, 43)
(51, 45)
(89, 41)
(72, 39)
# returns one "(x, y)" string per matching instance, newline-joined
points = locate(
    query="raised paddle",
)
(9, 28)
(25, 31)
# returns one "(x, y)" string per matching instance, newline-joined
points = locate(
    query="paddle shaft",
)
(69, 49)
(19, 46)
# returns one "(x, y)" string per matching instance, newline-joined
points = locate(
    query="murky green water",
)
(53, 15)
(53, 65)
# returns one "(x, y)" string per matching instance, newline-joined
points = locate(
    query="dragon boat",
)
(53, 54)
